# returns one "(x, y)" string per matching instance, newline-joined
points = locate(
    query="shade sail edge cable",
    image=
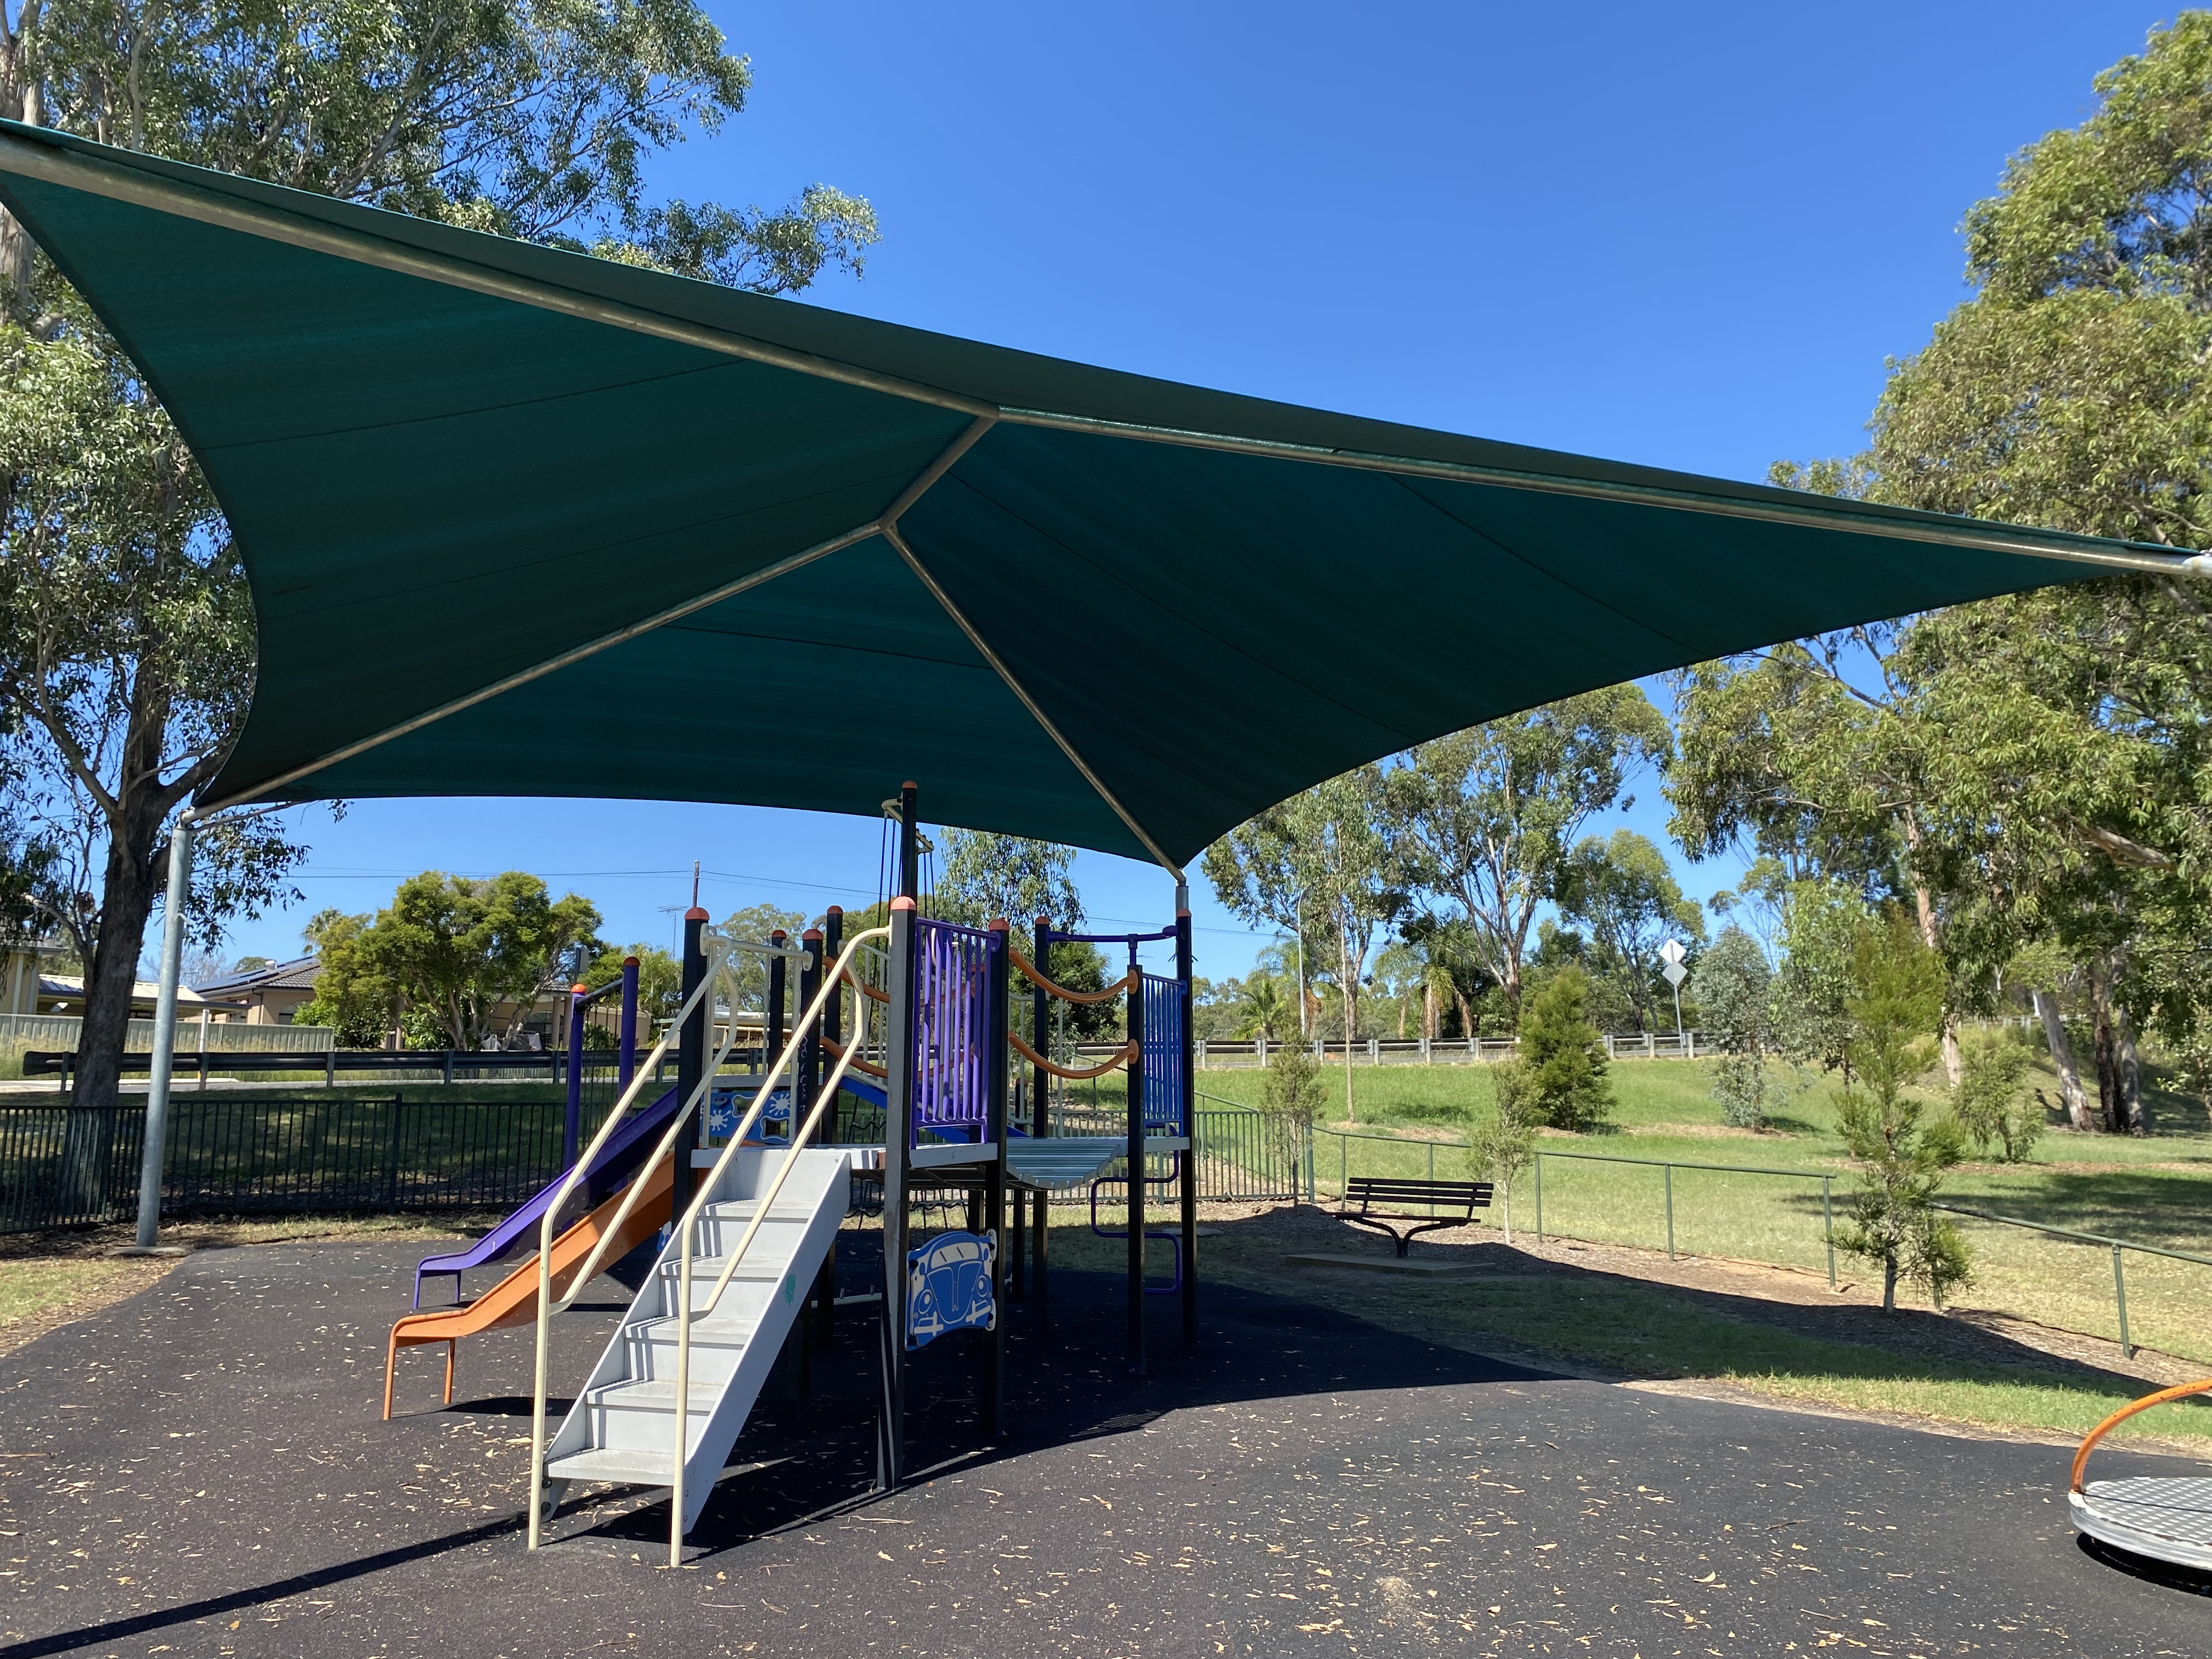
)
(1021, 693)
(551, 665)
(1929, 527)
(117, 183)
(120, 182)
(946, 459)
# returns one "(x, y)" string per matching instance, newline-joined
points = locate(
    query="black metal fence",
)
(66, 1165)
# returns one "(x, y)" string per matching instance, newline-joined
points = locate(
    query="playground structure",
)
(387, 405)
(758, 1184)
(2166, 1518)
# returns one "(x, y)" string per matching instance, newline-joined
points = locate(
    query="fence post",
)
(1828, 1225)
(449, 1066)
(391, 1159)
(1540, 1198)
(1343, 1166)
(1669, 1172)
(2120, 1295)
(154, 1145)
(331, 1066)
(1312, 1197)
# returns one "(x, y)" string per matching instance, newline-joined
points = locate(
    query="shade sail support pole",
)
(1036, 714)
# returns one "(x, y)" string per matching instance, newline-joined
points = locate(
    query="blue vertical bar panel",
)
(572, 1125)
(629, 1021)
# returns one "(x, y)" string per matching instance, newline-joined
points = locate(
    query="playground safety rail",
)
(721, 953)
(762, 1203)
(2116, 1245)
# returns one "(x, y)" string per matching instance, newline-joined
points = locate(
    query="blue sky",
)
(1687, 236)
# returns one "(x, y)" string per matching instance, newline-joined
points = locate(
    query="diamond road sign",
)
(1672, 953)
(1675, 973)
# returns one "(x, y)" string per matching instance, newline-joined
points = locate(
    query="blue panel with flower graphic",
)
(948, 1287)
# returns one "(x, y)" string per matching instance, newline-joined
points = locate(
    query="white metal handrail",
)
(718, 965)
(831, 986)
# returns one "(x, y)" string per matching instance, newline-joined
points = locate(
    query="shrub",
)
(1290, 1098)
(1734, 985)
(1896, 1002)
(1500, 1146)
(1991, 1102)
(1563, 1056)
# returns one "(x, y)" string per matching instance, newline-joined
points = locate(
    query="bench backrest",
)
(1366, 1191)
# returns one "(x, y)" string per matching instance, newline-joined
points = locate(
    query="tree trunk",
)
(1889, 1284)
(2061, 1057)
(2108, 1068)
(111, 975)
(2129, 1094)
(1351, 1018)
(1429, 1011)
(1924, 904)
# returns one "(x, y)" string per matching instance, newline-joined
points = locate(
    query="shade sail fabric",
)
(522, 522)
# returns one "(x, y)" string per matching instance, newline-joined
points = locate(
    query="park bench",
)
(1366, 1192)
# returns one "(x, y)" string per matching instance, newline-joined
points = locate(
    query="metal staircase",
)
(623, 1426)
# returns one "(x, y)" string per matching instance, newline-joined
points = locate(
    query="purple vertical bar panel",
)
(572, 1124)
(628, 1020)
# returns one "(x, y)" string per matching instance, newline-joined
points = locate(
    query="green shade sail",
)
(522, 522)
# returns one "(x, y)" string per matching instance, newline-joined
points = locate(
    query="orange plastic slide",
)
(513, 1300)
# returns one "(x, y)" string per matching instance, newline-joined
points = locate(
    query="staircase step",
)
(639, 1468)
(651, 1394)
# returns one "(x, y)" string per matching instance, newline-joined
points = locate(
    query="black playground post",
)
(690, 1064)
(833, 1027)
(1187, 1159)
(1136, 1159)
(772, 1031)
(898, 1129)
(996, 1129)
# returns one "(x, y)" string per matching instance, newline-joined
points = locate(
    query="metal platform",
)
(2167, 1519)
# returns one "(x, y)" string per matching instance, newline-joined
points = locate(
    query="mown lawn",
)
(2156, 1191)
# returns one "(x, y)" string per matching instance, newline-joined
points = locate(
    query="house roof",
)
(298, 974)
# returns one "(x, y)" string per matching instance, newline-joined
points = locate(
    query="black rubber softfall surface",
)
(201, 1470)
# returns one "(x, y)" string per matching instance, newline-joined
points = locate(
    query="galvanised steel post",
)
(898, 1131)
(1828, 1225)
(1187, 1089)
(1135, 1155)
(1669, 1170)
(152, 1152)
(2120, 1295)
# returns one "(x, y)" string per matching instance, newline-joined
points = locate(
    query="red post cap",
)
(836, 910)
(998, 925)
(695, 913)
(629, 961)
(775, 936)
(812, 935)
(901, 903)
(578, 988)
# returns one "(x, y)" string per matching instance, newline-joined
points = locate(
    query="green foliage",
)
(660, 983)
(755, 924)
(986, 877)
(1291, 1096)
(126, 633)
(1561, 1063)
(1735, 989)
(1622, 893)
(453, 950)
(1264, 1009)
(1485, 816)
(1896, 1002)
(1502, 1144)
(1991, 1102)
(1808, 1007)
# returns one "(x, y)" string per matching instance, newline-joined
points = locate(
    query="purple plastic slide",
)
(624, 1151)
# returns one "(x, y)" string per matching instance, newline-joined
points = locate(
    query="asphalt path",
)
(200, 1470)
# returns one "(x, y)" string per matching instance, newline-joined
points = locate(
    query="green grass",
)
(2156, 1191)
(1644, 1330)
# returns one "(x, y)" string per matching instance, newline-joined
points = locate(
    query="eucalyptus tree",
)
(2065, 791)
(126, 639)
(1326, 862)
(1621, 889)
(1487, 816)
